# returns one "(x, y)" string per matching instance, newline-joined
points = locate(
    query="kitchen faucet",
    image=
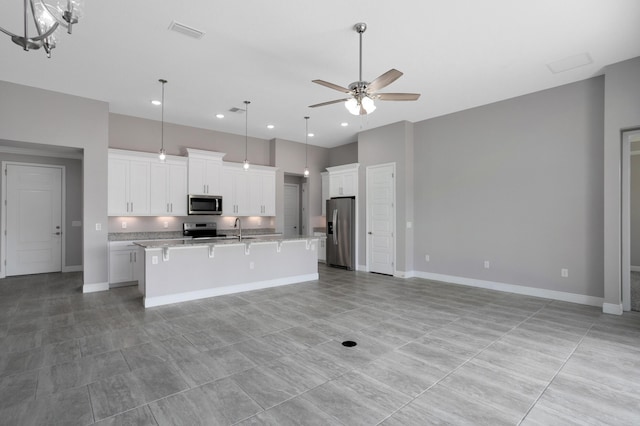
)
(238, 224)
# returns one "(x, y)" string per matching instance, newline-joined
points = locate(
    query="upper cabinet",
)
(205, 172)
(343, 180)
(169, 187)
(128, 182)
(141, 185)
(248, 192)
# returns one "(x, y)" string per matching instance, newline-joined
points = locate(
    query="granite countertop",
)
(219, 241)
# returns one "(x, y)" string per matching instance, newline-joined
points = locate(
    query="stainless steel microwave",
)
(205, 204)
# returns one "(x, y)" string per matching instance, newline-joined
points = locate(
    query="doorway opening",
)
(630, 249)
(296, 201)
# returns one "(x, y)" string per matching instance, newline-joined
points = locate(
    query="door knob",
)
(370, 233)
(56, 233)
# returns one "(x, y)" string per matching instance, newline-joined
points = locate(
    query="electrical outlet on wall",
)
(564, 273)
(427, 258)
(487, 265)
(124, 225)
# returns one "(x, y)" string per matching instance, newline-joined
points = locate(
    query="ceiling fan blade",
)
(329, 103)
(397, 96)
(384, 80)
(331, 86)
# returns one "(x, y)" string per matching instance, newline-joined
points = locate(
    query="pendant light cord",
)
(246, 127)
(162, 117)
(306, 142)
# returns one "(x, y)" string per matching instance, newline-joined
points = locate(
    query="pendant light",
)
(306, 147)
(163, 154)
(245, 165)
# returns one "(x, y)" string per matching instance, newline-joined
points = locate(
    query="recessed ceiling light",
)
(345, 124)
(311, 135)
(156, 102)
(270, 126)
(219, 115)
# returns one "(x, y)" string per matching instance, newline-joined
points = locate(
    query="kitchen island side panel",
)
(189, 273)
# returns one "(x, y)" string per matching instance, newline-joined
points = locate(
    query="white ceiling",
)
(457, 53)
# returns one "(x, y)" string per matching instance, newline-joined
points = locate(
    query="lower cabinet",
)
(123, 263)
(322, 247)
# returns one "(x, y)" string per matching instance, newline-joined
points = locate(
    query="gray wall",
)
(622, 111)
(39, 116)
(289, 157)
(389, 144)
(518, 183)
(73, 204)
(344, 154)
(635, 208)
(139, 134)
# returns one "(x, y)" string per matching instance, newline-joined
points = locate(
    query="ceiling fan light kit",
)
(47, 18)
(363, 93)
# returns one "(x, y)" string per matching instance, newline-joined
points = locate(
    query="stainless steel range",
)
(200, 230)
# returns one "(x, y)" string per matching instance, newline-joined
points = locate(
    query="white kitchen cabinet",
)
(169, 187)
(123, 263)
(343, 180)
(128, 184)
(262, 193)
(325, 191)
(235, 196)
(248, 192)
(205, 172)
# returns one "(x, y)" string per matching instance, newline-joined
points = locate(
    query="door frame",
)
(297, 186)
(368, 209)
(625, 264)
(3, 211)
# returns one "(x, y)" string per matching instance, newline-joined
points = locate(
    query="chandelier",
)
(47, 16)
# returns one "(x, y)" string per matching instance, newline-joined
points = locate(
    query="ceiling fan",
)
(363, 93)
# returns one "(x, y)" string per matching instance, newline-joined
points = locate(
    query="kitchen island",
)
(181, 270)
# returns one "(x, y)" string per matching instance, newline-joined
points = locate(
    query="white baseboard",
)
(362, 268)
(72, 268)
(512, 288)
(92, 288)
(404, 274)
(635, 268)
(219, 291)
(612, 308)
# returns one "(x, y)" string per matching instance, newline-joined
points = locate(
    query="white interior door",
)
(381, 218)
(291, 210)
(34, 219)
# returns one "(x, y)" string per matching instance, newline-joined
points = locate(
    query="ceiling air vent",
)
(236, 110)
(185, 30)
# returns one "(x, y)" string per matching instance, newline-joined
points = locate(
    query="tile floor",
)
(427, 353)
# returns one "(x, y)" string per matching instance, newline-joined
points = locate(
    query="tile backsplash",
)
(174, 223)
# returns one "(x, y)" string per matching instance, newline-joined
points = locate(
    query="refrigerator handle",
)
(335, 226)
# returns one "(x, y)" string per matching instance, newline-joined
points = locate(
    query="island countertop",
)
(219, 241)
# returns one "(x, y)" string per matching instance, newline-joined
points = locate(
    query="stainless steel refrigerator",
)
(341, 232)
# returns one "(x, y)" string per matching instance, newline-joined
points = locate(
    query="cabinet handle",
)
(127, 206)
(130, 257)
(135, 257)
(132, 207)
(171, 204)
(167, 207)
